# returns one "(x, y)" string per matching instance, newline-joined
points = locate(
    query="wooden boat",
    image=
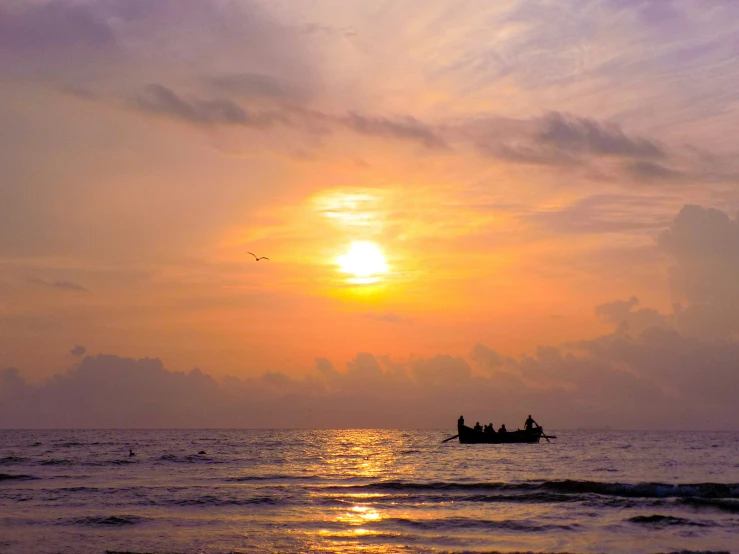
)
(467, 435)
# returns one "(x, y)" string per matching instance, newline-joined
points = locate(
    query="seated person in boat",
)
(477, 427)
(502, 429)
(489, 429)
(529, 425)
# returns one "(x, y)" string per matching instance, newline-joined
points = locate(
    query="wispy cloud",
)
(161, 100)
(59, 284)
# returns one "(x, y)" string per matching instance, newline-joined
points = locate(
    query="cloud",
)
(259, 85)
(658, 379)
(78, 351)
(52, 27)
(650, 171)
(623, 315)
(160, 100)
(59, 284)
(441, 370)
(406, 128)
(487, 358)
(112, 44)
(581, 134)
(704, 246)
(603, 213)
(561, 139)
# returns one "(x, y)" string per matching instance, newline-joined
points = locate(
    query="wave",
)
(215, 501)
(658, 520)
(477, 524)
(189, 459)
(570, 487)
(533, 497)
(104, 521)
(6, 477)
(730, 506)
(15, 460)
(78, 489)
(247, 478)
(647, 490)
(11, 460)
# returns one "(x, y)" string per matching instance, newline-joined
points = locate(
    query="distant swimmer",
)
(258, 258)
(201, 453)
(131, 453)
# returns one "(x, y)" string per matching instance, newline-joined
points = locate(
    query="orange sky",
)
(514, 163)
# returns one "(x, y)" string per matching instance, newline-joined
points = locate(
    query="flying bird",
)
(257, 259)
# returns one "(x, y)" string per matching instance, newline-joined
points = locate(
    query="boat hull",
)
(467, 435)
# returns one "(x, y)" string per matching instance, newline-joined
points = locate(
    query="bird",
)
(257, 259)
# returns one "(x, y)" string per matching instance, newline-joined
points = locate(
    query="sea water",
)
(365, 491)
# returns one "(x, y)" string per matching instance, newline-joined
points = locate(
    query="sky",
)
(488, 208)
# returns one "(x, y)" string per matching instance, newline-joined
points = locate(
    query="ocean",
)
(352, 491)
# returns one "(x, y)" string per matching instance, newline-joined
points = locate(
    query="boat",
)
(467, 435)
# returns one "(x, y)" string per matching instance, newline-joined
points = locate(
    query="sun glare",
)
(364, 260)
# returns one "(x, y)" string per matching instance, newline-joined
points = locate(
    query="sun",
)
(364, 260)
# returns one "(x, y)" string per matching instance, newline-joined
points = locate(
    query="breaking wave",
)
(569, 487)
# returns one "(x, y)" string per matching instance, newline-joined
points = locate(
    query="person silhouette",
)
(502, 429)
(477, 426)
(460, 421)
(131, 453)
(529, 425)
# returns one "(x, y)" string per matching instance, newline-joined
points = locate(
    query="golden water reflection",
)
(359, 515)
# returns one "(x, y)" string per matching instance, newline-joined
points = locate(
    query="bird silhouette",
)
(260, 258)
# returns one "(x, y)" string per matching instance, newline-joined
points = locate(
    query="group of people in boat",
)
(529, 426)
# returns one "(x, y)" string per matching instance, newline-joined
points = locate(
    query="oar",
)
(450, 438)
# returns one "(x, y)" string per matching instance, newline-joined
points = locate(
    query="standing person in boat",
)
(529, 425)
(502, 429)
(477, 427)
(460, 422)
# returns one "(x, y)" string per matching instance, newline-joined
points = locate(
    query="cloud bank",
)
(655, 380)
